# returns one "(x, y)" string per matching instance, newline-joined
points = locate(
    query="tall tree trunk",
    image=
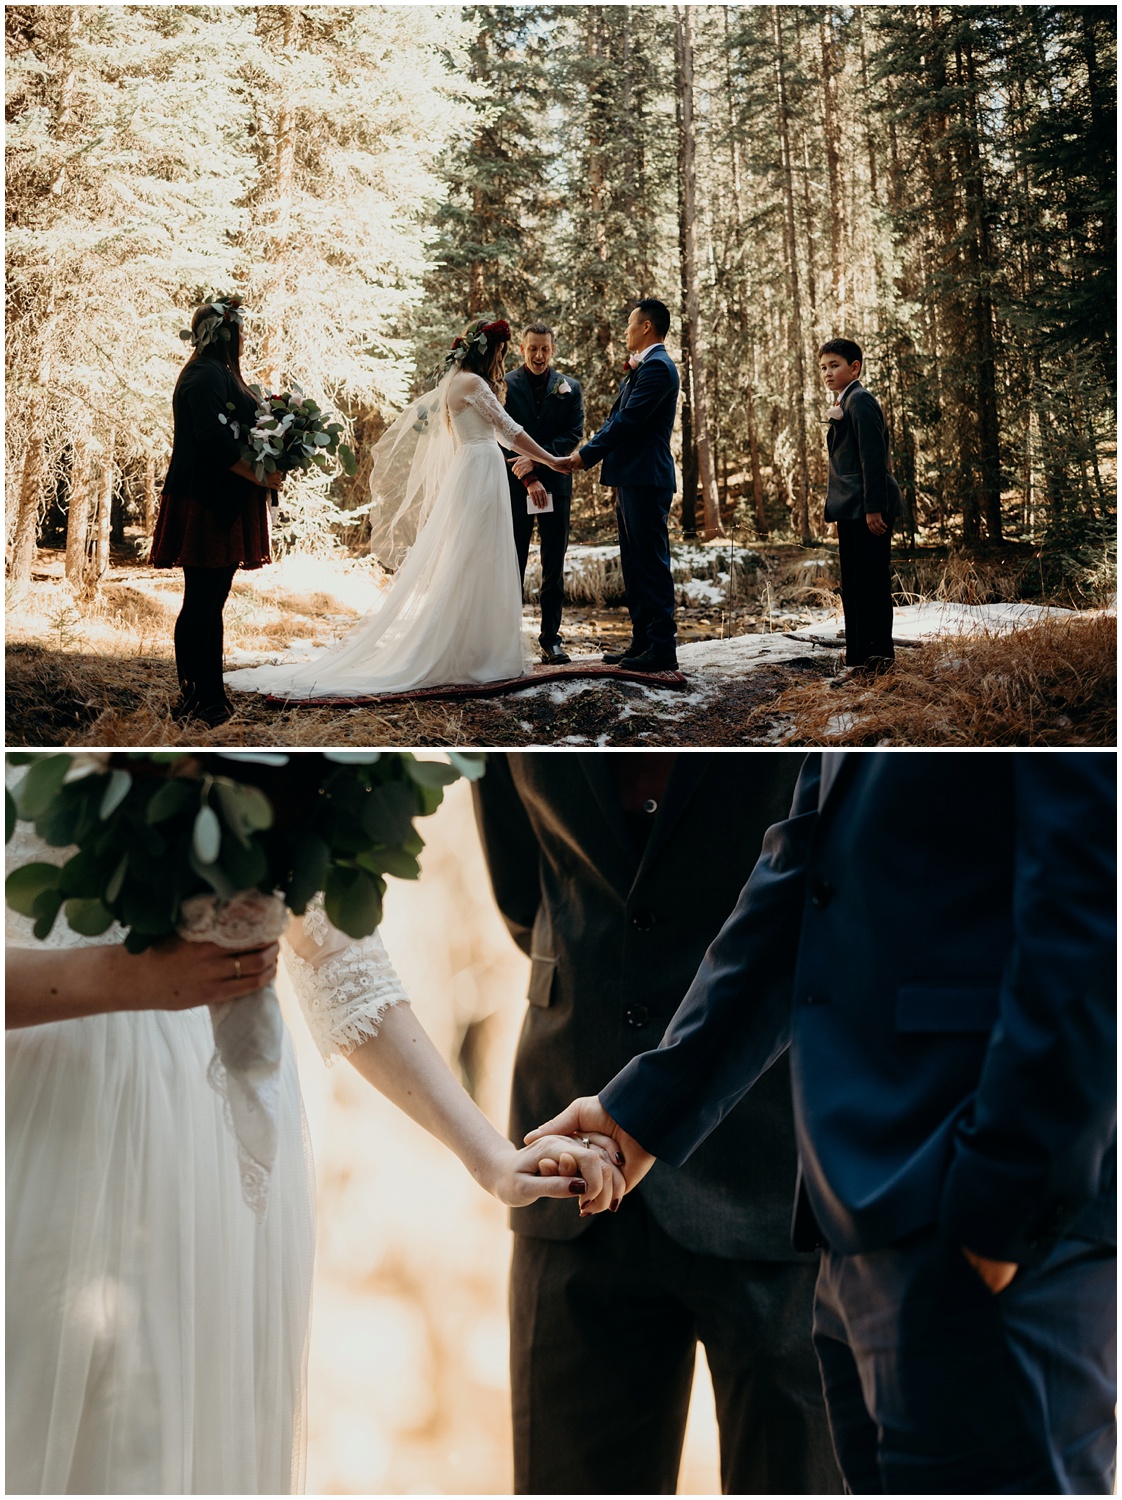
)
(150, 503)
(63, 107)
(832, 134)
(710, 503)
(99, 541)
(25, 532)
(754, 460)
(802, 475)
(277, 254)
(78, 513)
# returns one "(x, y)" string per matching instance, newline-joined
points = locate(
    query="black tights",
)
(198, 632)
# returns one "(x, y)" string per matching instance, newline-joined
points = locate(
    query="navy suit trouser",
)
(935, 1386)
(866, 588)
(642, 513)
(553, 533)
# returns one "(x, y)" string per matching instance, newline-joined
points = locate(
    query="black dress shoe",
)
(554, 655)
(653, 659)
(613, 658)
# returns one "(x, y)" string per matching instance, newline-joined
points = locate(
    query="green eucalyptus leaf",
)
(117, 879)
(244, 864)
(353, 901)
(353, 757)
(116, 790)
(310, 859)
(47, 906)
(389, 862)
(213, 873)
(171, 798)
(227, 794)
(41, 785)
(471, 764)
(388, 812)
(431, 772)
(206, 838)
(89, 917)
(11, 816)
(27, 882)
(347, 458)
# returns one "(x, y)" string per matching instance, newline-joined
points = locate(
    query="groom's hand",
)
(588, 1116)
(574, 462)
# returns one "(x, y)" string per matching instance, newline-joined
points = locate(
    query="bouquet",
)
(220, 847)
(291, 431)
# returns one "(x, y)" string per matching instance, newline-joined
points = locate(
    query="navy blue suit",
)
(634, 444)
(934, 937)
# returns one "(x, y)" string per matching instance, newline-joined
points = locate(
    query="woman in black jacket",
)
(213, 512)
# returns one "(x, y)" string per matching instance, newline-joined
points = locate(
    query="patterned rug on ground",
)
(534, 678)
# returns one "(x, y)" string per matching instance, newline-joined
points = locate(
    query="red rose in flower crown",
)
(477, 336)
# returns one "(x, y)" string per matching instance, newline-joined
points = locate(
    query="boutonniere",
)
(836, 412)
(564, 389)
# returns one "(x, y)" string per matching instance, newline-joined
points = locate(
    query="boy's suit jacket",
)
(945, 926)
(558, 427)
(634, 442)
(614, 942)
(860, 482)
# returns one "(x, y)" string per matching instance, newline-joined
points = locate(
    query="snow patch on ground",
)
(923, 622)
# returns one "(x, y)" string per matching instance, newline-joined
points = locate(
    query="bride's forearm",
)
(403, 1064)
(525, 445)
(60, 984)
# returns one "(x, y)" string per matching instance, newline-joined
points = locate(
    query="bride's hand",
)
(175, 975)
(556, 1167)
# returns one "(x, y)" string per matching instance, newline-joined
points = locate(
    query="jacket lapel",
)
(834, 764)
(621, 871)
(685, 777)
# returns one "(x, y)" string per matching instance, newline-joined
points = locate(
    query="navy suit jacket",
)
(634, 442)
(860, 481)
(557, 427)
(942, 930)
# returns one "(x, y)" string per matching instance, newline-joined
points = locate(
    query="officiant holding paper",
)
(550, 407)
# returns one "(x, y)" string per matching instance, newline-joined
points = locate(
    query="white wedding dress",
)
(156, 1331)
(453, 612)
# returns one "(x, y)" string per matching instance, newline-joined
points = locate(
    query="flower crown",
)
(477, 337)
(225, 311)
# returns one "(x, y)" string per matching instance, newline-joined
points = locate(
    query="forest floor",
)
(758, 644)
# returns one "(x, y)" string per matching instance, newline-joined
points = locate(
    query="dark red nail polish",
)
(614, 1205)
(578, 1185)
(620, 1159)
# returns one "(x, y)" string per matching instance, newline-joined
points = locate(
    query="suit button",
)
(637, 1015)
(650, 805)
(821, 892)
(643, 921)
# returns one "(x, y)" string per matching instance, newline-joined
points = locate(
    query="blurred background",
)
(408, 1383)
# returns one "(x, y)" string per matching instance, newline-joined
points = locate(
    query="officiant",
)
(550, 407)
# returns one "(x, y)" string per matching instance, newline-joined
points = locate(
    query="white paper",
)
(539, 510)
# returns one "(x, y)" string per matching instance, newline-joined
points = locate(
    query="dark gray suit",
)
(860, 484)
(611, 1307)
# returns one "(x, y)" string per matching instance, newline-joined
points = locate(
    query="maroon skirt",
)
(192, 535)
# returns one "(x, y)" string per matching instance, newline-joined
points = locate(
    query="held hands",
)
(997, 1274)
(569, 465)
(588, 1169)
(587, 1120)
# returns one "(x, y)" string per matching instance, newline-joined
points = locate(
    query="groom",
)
(550, 407)
(944, 930)
(635, 445)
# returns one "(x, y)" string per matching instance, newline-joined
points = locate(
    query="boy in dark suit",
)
(863, 499)
(550, 407)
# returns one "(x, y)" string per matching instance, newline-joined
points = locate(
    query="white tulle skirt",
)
(156, 1333)
(452, 614)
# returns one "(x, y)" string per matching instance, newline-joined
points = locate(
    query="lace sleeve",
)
(480, 395)
(344, 985)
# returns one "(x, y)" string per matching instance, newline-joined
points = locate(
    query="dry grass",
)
(1054, 683)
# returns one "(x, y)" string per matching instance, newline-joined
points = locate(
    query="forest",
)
(936, 182)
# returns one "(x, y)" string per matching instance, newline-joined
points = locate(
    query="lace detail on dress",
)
(344, 985)
(479, 395)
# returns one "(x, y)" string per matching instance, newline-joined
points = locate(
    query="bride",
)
(156, 1329)
(453, 612)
